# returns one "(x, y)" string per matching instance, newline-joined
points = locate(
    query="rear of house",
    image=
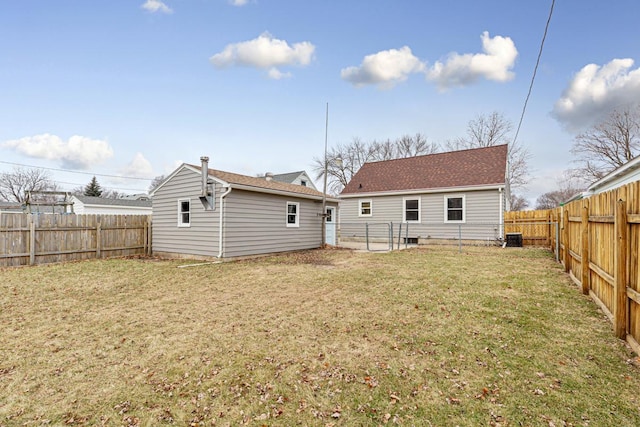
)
(459, 194)
(241, 216)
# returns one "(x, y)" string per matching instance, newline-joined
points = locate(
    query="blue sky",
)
(136, 87)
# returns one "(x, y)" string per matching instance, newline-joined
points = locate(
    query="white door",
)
(330, 230)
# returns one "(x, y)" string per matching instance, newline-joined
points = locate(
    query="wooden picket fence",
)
(599, 245)
(29, 239)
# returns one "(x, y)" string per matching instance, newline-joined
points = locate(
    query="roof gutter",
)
(282, 193)
(424, 190)
(221, 216)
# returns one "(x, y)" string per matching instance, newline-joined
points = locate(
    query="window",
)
(293, 214)
(454, 209)
(184, 213)
(303, 183)
(366, 208)
(411, 212)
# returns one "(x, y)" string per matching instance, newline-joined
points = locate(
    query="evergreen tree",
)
(93, 188)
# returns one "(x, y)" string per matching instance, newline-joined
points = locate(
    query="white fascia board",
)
(615, 175)
(425, 191)
(174, 173)
(180, 168)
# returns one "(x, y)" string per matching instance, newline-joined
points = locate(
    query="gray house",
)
(438, 196)
(205, 213)
(299, 178)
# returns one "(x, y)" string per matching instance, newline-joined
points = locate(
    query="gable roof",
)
(465, 168)
(287, 177)
(251, 183)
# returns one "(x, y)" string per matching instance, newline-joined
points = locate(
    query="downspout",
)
(501, 196)
(221, 216)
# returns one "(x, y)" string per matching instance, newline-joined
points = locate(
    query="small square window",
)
(411, 211)
(454, 209)
(366, 208)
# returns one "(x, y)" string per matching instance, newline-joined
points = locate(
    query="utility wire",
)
(82, 173)
(535, 70)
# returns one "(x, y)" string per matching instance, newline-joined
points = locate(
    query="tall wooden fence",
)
(28, 239)
(599, 245)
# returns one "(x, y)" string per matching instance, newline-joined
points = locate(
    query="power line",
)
(81, 173)
(535, 71)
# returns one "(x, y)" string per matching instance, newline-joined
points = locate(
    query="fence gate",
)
(379, 236)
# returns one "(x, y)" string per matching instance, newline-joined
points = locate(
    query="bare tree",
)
(608, 144)
(111, 194)
(344, 160)
(495, 129)
(518, 203)
(567, 188)
(155, 182)
(15, 185)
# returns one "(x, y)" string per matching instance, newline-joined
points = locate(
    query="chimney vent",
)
(206, 194)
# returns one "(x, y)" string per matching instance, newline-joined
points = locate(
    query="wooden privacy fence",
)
(28, 239)
(599, 243)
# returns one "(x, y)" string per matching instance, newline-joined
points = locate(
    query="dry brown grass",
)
(417, 337)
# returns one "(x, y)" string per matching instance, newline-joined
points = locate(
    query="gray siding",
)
(482, 215)
(201, 239)
(255, 223)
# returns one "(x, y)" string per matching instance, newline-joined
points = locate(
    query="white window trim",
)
(180, 223)
(360, 202)
(404, 209)
(286, 217)
(464, 208)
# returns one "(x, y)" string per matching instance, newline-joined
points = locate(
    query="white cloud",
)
(461, 70)
(138, 167)
(79, 152)
(276, 74)
(154, 6)
(264, 52)
(385, 68)
(238, 2)
(595, 91)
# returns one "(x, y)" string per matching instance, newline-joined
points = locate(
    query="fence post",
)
(366, 233)
(620, 290)
(565, 240)
(32, 240)
(586, 272)
(98, 238)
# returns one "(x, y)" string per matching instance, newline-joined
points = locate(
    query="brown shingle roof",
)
(464, 168)
(260, 183)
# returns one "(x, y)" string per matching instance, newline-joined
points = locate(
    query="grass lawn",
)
(329, 338)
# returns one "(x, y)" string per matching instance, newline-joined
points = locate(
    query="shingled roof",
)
(464, 168)
(260, 183)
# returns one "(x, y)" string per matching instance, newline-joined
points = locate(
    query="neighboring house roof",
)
(625, 174)
(89, 200)
(138, 196)
(11, 207)
(287, 177)
(476, 167)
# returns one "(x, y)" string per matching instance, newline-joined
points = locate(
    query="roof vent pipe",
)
(268, 176)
